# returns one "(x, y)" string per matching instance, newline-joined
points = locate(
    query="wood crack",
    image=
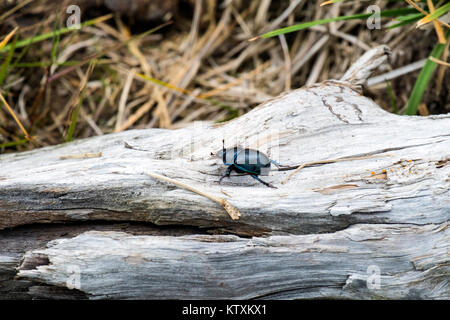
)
(358, 111)
(337, 115)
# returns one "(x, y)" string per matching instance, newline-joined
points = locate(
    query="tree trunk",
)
(329, 231)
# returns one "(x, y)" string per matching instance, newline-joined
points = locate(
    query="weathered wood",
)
(407, 180)
(412, 261)
(15, 242)
(325, 226)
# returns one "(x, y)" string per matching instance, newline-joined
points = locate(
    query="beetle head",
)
(227, 155)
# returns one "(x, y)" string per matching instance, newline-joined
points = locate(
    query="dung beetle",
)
(247, 161)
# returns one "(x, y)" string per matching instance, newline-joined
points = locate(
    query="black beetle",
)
(246, 161)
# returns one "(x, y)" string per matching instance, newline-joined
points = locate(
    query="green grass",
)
(23, 52)
(408, 19)
(13, 143)
(58, 32)
(5, 65)
(305, 25)
(43, 64)
(55, 41)
(423, 79)
(405, 16)
(391, 97)
(76, 110)
(438, 12)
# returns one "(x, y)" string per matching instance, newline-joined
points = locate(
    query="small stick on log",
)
(81, 156)
(232, 211)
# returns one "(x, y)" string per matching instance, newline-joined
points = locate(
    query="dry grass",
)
(203, 66)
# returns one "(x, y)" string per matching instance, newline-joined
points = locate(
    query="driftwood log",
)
(84, 220)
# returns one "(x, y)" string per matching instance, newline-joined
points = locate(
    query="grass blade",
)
(11, 111)
(75, 111)
(97, 56)
(13, 143)
(423, 79)
(56, 39)
(434, 15)
(305, 25)
(330, 2)
(45, 36)
(7, 38)
(437, 26)
(44, 64)
(391, 96)
(5, 65)
(411, 18)
(232, 112)
(24, 51)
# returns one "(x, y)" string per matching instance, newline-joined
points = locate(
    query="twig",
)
(81, 156)
(232, 211)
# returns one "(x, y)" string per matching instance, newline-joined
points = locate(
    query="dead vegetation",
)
(104, 79)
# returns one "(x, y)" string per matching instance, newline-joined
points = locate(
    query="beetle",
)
(247, 161)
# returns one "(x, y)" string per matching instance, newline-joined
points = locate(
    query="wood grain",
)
(316, 236)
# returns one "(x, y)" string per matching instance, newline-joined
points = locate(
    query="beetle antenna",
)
(224, 152)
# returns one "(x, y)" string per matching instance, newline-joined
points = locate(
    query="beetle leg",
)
(275, 163)
(227, 174)
(263, 182)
